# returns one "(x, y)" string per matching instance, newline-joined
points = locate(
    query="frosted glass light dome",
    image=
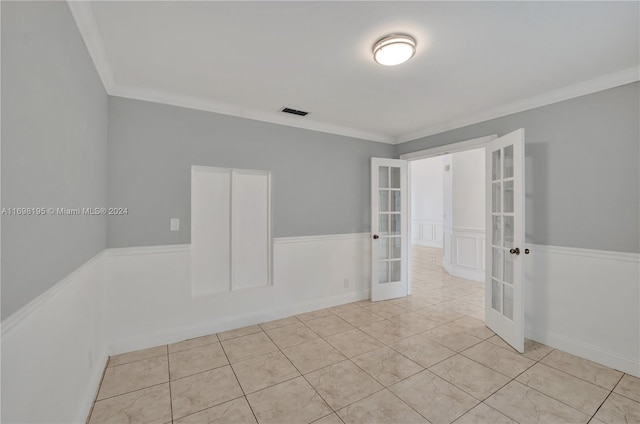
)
(394, 50)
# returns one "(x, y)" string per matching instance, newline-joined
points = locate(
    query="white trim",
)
(86, 23)
(147, 250)
(223, 108)
(172, 335)
(23, 313)
(593, 353)
(459, 146)
(313, 239)
(90, 395)
(85, 20)
(589, 253)
(605, 82)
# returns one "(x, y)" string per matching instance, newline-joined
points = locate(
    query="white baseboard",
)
(582, 301)
(593, 353)
(167, 336)
(467, 274)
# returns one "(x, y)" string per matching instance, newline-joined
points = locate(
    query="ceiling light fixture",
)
(394, 49)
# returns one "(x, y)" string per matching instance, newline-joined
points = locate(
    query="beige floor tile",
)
(137, 355)
(330, 325)
(381, 407)
(528, 406)
(475, 379)
(484, 414)
(150, 405)
(191, 343)
(342, 384)
(472, 326)
(134, 376)
(329, 419)
(236, 411)
(263, 371)
(629, 386)
(205, 390)
(195, 360)
(451, 338)
(385, 309)
(577, 393)
(422, 351)
(532, 350)
(462, 307)
(247, 347)
(344, 308)
(353, 343)
(415, 324)
(474, 299)
(293, 401)
(434, 398)
(239, 332)
(619, 409)
(313, 355)
(314, 314)
(498, 359)
(386, 365)
(291, 335)
(435, 313)
(411, 303)
(584, 369)
(359, 317)
(388, 331)
(279, 323)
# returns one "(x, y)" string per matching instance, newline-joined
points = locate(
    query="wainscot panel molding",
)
(464, 252)
(427, 233)
(585, 302)
(55, 348)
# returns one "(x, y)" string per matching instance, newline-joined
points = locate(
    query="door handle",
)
(376, 237)
(515, 251)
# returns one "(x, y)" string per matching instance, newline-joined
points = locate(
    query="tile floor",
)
(426, 358)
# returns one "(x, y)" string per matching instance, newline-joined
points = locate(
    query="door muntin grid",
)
(389, 225)
(502, 230)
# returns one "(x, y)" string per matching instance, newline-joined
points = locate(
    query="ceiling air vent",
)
(294, 111)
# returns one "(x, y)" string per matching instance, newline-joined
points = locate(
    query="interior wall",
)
(54, 149)
(427, 201)
(152, 147)
(468, 194)
(582, 168)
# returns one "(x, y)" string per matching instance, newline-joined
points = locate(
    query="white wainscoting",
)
(152, 291)
(464, 254)
(54, 350)
(426, 233)
(585, 302)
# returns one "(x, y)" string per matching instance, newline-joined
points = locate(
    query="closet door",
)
(230, 229)
(250, 234)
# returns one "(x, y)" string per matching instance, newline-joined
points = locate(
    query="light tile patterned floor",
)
(426, 358)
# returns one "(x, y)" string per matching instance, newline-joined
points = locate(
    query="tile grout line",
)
(238, 381)
(605, 399)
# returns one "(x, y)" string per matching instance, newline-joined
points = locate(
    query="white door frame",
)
(431, 152)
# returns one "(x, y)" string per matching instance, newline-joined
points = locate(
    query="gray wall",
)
(582, 168)
(54, 148)
(321, 182)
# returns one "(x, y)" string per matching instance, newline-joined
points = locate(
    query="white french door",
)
(504, 280)
(389, 229)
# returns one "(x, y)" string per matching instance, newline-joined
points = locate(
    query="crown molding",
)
(223, 108)
(569, 92)
(86, 23)
(85, 20)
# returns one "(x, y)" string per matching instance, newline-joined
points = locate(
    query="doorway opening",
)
(448, 230)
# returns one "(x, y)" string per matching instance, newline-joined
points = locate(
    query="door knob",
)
(515, 251)
(526, 251)
(376, 237)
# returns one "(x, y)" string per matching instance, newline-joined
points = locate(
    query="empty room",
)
(320, 212)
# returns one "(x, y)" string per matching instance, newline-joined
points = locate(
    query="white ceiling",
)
(474, 60)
